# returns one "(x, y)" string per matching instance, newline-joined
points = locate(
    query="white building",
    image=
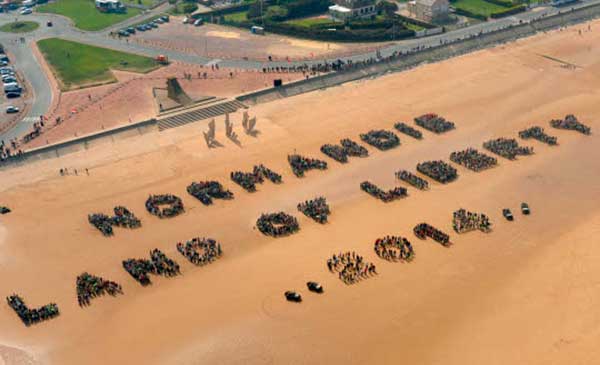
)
(352, 9)
(110, 6)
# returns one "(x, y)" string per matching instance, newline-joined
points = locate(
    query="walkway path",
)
(27, 63)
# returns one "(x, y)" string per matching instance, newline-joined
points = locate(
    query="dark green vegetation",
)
(85, 15)
(77, 64)
(308, 19)
(19, 27)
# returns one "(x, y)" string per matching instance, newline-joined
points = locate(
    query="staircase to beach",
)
(205, 112)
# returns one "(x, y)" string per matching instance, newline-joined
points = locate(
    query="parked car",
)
(158, 20)
(13, 94)
(8, 78)
(152, 25)
(49, 24)
(26, 11)
(12, 89)
(198, 22)
(141, 28)
(525, 208)
(123, 33)
(165, 18)
(3, 63)
(186, 20)
(507, 214)
(4, 57)
(6, 84)
(12, 109)
(130, 30)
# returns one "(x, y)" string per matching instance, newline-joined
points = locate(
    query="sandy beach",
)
(526, 293)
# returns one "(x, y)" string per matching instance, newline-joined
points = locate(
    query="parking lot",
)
(11, 100)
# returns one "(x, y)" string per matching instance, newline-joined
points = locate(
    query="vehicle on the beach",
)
(12, 109)
(525, 208)
(507, 214)
(314, 287)
(292, 296)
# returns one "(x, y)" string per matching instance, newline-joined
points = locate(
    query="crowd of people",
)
(571, 123)
(200, 251)
(301, 164)
(7, 152)
(248, 180)
(473, 159)
(394, 248)
(438, 170)
(159, 264)
(317, 209)
(412, 179)
(277, 224)
(539, 134)
(381, 139)
(174, 205)
(464, 221)
(91, 286)
(351, 267)
(206, 191)
(353, 149)
(507, 147)
(346, 148)
(32, 316)
(434, 123)
(408, 130)
(123, 218)
(424, 230)
(385, 196)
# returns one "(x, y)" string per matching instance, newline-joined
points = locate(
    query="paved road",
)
(30, 68)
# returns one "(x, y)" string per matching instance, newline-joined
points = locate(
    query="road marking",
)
(30, 120)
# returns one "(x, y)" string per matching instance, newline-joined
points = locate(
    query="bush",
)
(509, 11)
(172, 2)
(302, 8)
(254, 11)
(387, 8)
(189, 8)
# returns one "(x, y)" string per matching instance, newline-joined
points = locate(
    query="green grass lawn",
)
(477, 6)
(236, 17)
(308, 22)
(76, 64)
(412, 26)
(146, 3)
(19, 27)
(85, 15)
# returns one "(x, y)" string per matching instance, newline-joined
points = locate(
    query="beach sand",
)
(526, 293)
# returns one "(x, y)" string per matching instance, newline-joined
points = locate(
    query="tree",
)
(254, 11)
(387, 8)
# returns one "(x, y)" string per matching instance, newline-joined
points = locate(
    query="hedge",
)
(509, 11)
(341, 35)
(470, 14)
